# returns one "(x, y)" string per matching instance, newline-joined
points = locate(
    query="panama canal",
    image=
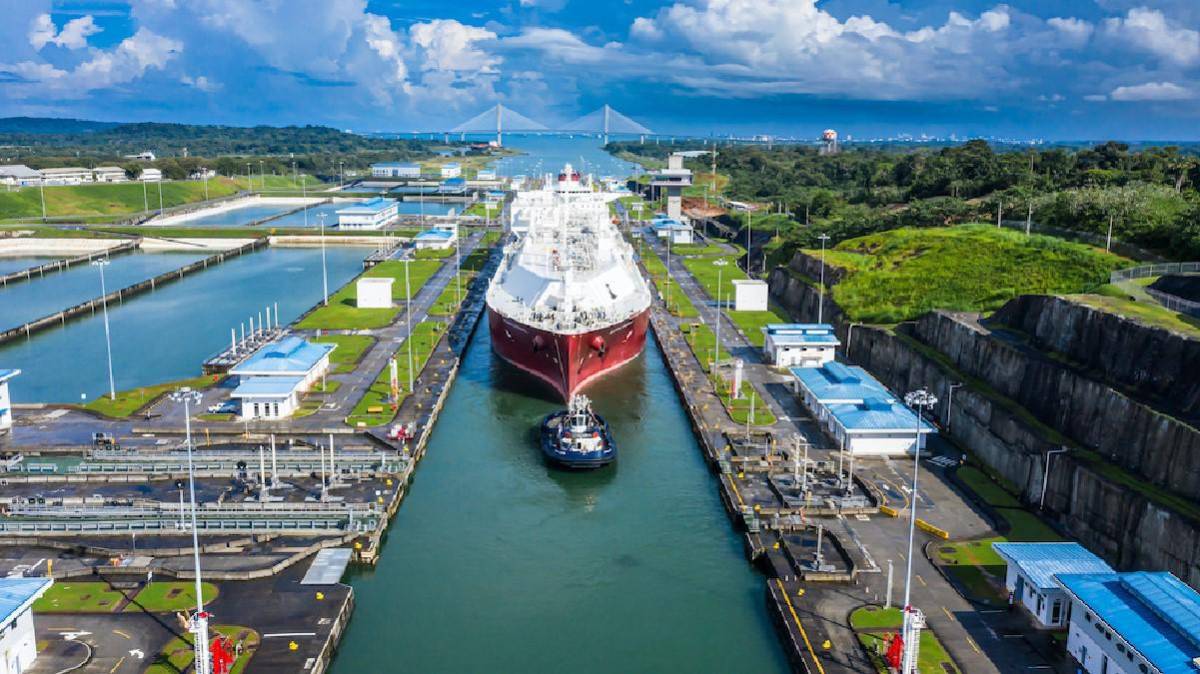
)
(498, 562)
(166, 334)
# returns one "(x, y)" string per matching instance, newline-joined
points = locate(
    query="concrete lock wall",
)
(1084, 495)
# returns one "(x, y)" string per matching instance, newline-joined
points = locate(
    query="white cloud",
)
(128, 61)
(1074, 32)
(1152, 91)
(201, 82)
(74, 33)
(1151, 31)
(450, 45)
(1095, 98)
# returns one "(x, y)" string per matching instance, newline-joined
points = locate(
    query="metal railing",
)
(1148, 270)
(1175, 303)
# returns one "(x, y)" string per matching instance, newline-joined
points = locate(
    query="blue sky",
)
(1059, 69)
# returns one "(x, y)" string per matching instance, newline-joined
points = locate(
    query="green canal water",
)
(497, 562)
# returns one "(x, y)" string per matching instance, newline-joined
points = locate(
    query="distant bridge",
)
(499, 119)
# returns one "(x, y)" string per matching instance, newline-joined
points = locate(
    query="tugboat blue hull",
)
(576, 460)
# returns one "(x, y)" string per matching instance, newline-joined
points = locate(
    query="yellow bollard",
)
(776, 546)
(800, 592)
(827, 644)
(292, 646)
(320, 596)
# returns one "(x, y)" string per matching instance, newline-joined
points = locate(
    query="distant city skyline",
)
(1053, 69)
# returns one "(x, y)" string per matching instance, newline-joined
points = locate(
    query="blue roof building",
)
(1031, 577)
(857, 411)
(272, 379)
(18, 645)
(369, 214)
(435, 238)
(799, 344)
(1144, 622)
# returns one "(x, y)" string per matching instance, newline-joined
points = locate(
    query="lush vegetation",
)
(342, 313)
(377, 407)
(1148, 196)
(108, 199)
(900, 274)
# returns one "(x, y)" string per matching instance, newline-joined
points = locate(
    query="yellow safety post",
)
(292, 646)
(320, 596)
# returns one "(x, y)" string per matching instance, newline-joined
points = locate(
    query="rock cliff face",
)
(1159, 366)
(1124, 430)
(1008, 428)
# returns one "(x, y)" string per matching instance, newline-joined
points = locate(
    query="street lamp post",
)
(145, 197)
(408, 320)
(720, 265)
(204, 174)
(324, 271)
(1046, 475)
(821, 286)
(950, 401)
(42, 189)
(101, 264)
(199, 627)
(913, 620)
(160, 199)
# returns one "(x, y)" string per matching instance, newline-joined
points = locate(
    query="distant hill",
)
(51, 125)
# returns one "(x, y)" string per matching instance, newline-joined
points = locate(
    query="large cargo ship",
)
(567, 303)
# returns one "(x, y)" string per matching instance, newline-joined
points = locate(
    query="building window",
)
(1120, 647)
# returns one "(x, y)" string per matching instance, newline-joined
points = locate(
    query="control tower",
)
(829, 142)
(672, 179)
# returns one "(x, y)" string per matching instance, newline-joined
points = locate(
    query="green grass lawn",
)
(350, 349)
(99, 199)
(932, 657)
(170, 596)
(751, 323)
(900, 274)
(376, 407)
(676, 300)
(702, 340)
(434, 253)
(706, 274)
(128, 402)
(178, 655)
(276, 183)
(78, 597)
(342, 314)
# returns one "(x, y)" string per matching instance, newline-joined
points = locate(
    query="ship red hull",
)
(568, 362)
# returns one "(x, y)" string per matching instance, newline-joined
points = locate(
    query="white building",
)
(395, 169)
(749, 295)
(147, 155)
(485, 174)
(1132, 623)
(109, 174)
(6, 420)
(858, 412)
(371, 214)
(451, 170)
(150, 175)
(202, 174)
(799, 344)
(272, 379)
(74, 175)
(1030, 579)
(18, 645)
(374, 292)
(19, 175)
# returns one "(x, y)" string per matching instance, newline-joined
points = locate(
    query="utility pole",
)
(1046, 475)
(101, 264)
(324, 270)
(914, 620)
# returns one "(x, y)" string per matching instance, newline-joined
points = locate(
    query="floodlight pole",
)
(918, 400)
(112, 388)
(203, 662)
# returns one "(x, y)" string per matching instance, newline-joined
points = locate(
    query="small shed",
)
(18, 645)
(6, 420)
(749, 295)
(374, 292)
(799, 344)
(1031, 576)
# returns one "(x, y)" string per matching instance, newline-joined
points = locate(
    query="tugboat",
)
(577, 437)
